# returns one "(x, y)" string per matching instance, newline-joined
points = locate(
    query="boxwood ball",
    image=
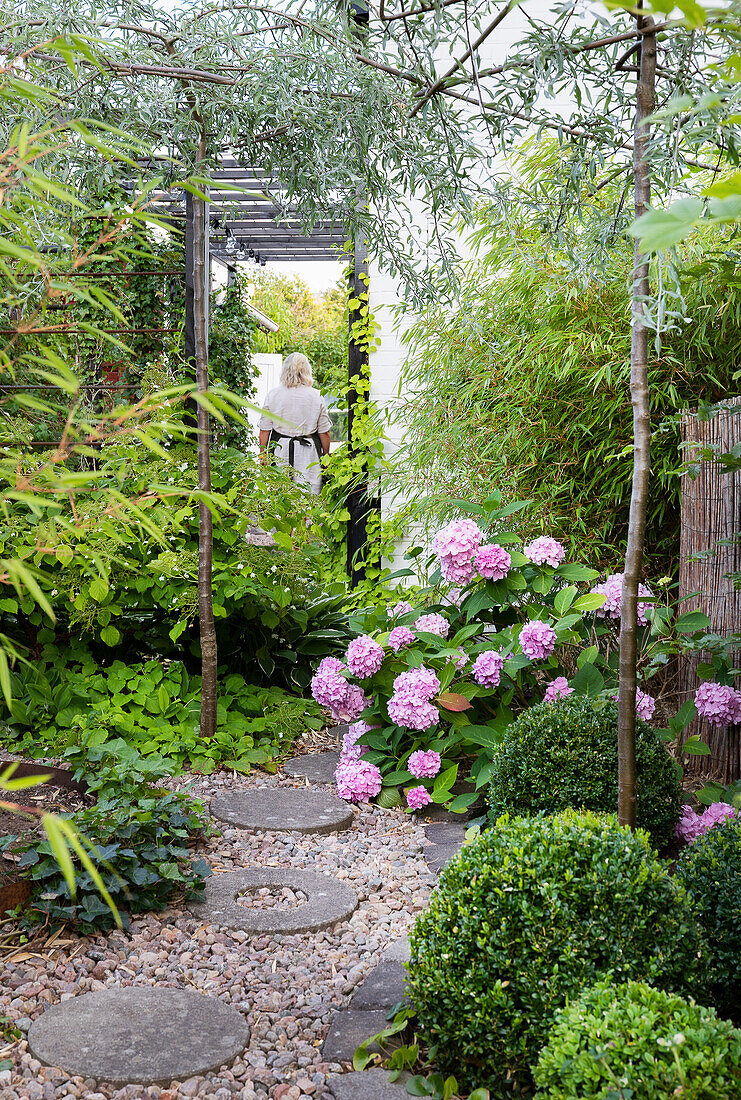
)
(565, 754)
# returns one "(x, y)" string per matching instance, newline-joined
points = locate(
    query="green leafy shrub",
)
(70, 700)
(130, 588)
(564, 754)
(621, 1041)
(710, 870)
(520, 385)
(140, 837)
(525, 917)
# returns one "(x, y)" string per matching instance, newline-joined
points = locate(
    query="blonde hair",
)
(296, 371)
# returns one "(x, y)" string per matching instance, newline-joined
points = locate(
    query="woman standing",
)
(295, 423)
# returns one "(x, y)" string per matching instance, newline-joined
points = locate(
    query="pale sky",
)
(319, 275)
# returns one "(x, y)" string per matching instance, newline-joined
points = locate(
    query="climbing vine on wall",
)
(365, 460)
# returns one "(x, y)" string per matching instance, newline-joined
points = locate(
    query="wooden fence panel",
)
(711, 512)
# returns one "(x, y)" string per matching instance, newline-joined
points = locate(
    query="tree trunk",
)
(209, 685)
(645, 96)
(711, 514)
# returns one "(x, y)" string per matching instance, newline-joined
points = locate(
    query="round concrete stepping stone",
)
(288, 809)
(139, 1035)
(327, 901)
(317, 767)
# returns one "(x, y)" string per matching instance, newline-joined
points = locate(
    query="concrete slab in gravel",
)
(383, 987)
(328, 901)
(139, 1035)
(447, 838)
(371, 1084)
(348, 1029)
(398, 951)
(317, 767)
(289, 809)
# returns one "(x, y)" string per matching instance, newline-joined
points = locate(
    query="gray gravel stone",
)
(139, 1034)
(349, 1029)
(383, 987)
(371, 1084)
(328, 901)
(317, 767)
(291, 810)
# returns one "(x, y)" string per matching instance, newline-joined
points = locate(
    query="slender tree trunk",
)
(645, 97)
(209, 657)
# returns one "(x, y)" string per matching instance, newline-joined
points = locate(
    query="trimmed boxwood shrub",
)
(656, 1044)
(565, 754)
(710, 870)
(530, 913)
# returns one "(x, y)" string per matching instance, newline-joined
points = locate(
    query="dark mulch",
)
(47, 798)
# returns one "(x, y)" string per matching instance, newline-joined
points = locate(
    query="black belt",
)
(304, 440)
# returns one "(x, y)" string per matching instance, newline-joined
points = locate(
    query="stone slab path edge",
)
(139, 1035)
(289, 809)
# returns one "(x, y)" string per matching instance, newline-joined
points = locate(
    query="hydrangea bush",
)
(498, 630)
(437, 683)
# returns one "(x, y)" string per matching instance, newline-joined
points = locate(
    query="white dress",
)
(295, 416)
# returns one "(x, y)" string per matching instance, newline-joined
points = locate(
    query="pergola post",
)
(357, 501)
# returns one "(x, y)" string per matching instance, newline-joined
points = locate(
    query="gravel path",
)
(288, 987)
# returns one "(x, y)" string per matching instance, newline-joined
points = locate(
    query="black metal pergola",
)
(249, 205)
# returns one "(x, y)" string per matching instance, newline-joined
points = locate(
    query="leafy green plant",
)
(132, 587)
(521, 385)
(524, 917)
(710, 870)
(139, 834)
(632, 1042)
(564, 754)
(70, 700)
(231, 342)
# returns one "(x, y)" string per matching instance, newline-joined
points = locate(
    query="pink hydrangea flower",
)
(487, 668)
(400, 636)
(364, 656)
(557, 689)
(645, 705)
(538, 639)
(352, 706)
(433, 624)
(492, 562)
(455, 546)
(424, 765)
(357, 780)
(717, 813)
(718, 704)
(455, 597)
(412, 714)
(409, 705)
(417, 797)
(422, 683)
(691, 824)
(328, 685)
(351, 750)
(399, 609)
(544, 550)
(612, 590)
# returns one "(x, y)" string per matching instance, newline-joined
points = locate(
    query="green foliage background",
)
(522, 386)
